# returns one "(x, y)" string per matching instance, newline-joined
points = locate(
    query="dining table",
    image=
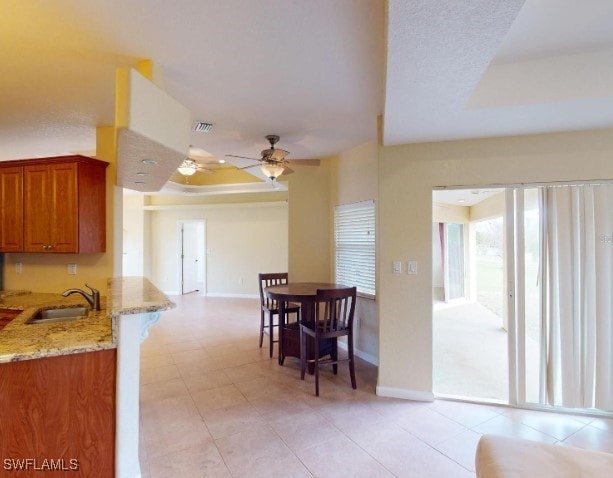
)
(303, 293)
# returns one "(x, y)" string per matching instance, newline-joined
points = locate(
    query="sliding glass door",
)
(548, 341)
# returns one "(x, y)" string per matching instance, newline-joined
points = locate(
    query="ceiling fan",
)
(192, 164)
(273, 162)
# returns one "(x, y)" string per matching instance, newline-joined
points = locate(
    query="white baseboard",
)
(363, 355)
(233, 296)
(416, 395)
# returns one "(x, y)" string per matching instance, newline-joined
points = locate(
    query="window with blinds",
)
(354, 239)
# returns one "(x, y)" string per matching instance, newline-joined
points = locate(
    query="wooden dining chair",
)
(270, 307)
(334, 311)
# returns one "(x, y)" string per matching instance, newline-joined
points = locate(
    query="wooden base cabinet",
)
(60, 205)
(58, 416)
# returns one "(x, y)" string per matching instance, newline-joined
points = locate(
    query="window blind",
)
(354, 238)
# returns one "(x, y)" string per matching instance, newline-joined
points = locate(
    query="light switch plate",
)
(412, 267)
(397, 267)
(18, 267)
(72, 269)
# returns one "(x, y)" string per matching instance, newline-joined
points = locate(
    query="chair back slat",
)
(268, 280)
(335, 309)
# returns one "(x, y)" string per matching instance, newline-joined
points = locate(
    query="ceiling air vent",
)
(202, 127)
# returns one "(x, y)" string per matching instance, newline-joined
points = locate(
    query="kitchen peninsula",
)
(69, 389)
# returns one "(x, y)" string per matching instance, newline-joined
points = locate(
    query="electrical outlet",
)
(240, 281)
(18, 267)
(72, 269)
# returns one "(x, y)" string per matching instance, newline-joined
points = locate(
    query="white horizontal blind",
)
(354, 238)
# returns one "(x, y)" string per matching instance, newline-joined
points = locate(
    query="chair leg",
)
(261, 327)
(271, 331)
(303, 360)
(280, 347)
(334, 356)
(316, 346)
(351, 361)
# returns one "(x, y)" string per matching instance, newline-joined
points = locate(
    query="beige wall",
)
(407, 175)
(450, 213)
(242, 240)
(309, 223)
(354, 175)
(489, 208)
(354, 179)
(49, 273)
(133, 234)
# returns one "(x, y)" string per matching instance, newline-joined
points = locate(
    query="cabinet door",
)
(36, 210)
(63, 227)
(11, 209)
(51, 216)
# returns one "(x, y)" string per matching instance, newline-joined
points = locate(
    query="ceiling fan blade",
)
(304, 162)
(242, 157)
(204, 162)
(247, 167)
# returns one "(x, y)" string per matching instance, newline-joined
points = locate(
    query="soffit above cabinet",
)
(153, 131)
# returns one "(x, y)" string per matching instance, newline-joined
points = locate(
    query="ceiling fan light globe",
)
(272, 171)
(188, 168)
(187, 171)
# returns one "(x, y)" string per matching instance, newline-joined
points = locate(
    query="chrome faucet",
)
(92, 299)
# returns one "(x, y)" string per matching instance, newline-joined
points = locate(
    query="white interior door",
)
(192, 257)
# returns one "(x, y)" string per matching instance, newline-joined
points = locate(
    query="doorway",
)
(193, 257)
(549, 275)
(470, 341)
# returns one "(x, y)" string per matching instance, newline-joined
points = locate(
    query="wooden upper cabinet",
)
(11, 209)
(64, 205)
(51, 214)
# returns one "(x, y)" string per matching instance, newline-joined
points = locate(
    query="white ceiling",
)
(494, 68)
(316, 72)
(463, 197)
(309, 71)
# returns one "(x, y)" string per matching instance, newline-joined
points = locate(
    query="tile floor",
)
(213, 404)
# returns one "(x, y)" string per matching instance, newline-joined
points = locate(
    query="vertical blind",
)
(354, 238)
(577, 306)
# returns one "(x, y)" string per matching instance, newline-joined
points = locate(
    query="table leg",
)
(308, 309)
(280, 330)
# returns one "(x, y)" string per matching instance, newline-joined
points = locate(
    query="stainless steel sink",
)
(58, 315)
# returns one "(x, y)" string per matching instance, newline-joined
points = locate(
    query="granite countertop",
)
(135, 295)
(22, 341)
